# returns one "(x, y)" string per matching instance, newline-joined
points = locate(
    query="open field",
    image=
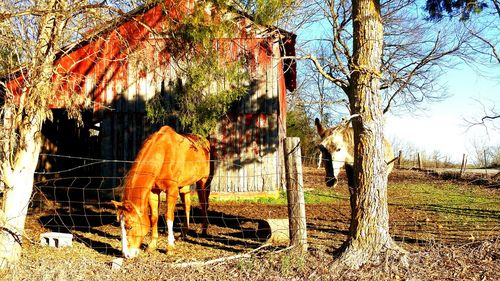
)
(450, 228)
(481, 176)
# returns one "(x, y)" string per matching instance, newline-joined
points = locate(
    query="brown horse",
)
(337, 150)
(165, 162)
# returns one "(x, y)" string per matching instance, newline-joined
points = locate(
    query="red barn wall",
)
(123, 67)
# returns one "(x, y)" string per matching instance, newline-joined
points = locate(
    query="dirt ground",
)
(438, 249)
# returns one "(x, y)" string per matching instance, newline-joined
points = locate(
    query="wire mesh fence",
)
(69, 202)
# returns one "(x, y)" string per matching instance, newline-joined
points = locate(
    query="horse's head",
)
(134, 226)
(335, 146)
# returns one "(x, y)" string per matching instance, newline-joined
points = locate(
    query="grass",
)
(446, 194)
(448, 200)
(440, 210)
(443, 211)
(310, 197)
(432, 195)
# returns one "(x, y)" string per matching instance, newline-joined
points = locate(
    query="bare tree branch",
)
(496, 3)
(339, 82)
(489, 116)
(488, 43)
(413, 58)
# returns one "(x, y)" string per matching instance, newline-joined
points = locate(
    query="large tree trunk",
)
(369, 231)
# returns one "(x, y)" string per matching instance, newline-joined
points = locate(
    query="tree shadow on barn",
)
(249, 133)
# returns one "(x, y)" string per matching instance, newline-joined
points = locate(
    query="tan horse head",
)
(337, 149)
(134, 226)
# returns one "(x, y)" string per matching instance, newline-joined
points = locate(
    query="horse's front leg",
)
(185, 193)
(154, 205)
(172, 194)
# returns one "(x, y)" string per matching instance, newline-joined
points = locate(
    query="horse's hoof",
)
(170, 248)
(184, 233)
(151, 248)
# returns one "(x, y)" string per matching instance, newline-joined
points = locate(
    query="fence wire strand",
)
(66, 201)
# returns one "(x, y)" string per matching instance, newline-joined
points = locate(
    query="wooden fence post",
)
(464, 165)
(419, 160)
(400, 156)
(295, 194)
(485, 163)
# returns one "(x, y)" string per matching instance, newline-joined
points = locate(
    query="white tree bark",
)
(18, 178)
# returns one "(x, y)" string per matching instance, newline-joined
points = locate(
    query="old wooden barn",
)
(128, 62)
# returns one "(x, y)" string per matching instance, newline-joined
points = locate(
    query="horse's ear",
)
(119, 208)
(319, 127)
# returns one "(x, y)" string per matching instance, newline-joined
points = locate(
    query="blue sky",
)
(443, 127)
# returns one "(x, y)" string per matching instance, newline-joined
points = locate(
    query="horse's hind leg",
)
(154, 205)
(185, 193)
(203, 190)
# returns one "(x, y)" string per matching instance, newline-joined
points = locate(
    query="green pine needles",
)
(211, 87)
(210, 79)
(268, 12)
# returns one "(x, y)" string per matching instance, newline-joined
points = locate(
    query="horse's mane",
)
(343, 129)
(129, 174)
(346, 131)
